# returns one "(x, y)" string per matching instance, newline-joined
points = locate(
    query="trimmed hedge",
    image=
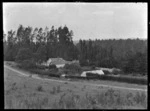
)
(132, 80)
(141, 81)
(75, 77)
(42, 72)
(124, 79)
(92, 75)
(116, 71)
(41, 67)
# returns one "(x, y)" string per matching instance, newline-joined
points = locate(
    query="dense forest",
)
(37, 45)
(129, 55)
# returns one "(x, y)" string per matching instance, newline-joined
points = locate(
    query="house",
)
(99, 72)
(59, 62)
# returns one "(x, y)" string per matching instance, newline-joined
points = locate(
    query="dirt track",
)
(72, 82)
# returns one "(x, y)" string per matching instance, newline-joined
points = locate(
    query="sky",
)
(87, 20)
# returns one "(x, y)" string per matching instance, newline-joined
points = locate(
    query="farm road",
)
(72, 82)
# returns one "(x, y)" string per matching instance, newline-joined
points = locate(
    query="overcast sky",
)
(87, 20)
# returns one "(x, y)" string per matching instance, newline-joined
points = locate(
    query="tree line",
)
(130, 55)
(43, 44)
(40, 44)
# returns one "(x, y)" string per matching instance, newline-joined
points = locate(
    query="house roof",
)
(57, 61)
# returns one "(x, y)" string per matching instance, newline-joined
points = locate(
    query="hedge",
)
(27, 64)
(106, 72)
(75, 77)
(41, 67)
(52, 66)
(141, 81)
(42, 72)
(72, 68)
(132, 80)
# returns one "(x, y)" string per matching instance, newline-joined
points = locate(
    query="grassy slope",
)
(24, 92)
(112, 83)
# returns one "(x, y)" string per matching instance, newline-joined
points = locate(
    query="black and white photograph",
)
(75, 55)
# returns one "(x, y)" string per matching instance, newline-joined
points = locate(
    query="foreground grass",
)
(109, 99)
(28, 93)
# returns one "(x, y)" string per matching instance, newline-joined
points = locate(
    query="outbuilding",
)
(98, 72)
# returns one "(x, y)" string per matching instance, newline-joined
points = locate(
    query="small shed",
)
(99, 72)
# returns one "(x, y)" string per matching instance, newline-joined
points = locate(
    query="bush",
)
(23, 54)
(39, 88)
(41, 67)
(83, 62)
(28, 64)
(92, 75)
(116, 71)
(106, 72)
(55, 90)
(111, 78)
(72, 68)
(53, 70)
(43, 72)
(52, 66)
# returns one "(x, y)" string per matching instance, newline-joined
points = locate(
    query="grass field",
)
(29, 93)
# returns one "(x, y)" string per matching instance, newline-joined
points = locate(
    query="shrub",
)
(67, 101)
(111, 78)
(52, 66)
(116, 71)
(23, 54)
(93, 67)
(43, 72)
(28, 64)
(55, 90)
(58, 89)
(106, 72)
(53, 70)
(83, 62)
(72, 68)
(75, 77)
(41, 67)
(92, 75)
(140, 98)
(39, 88)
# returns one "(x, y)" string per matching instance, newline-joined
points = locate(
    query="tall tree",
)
(9, 49)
